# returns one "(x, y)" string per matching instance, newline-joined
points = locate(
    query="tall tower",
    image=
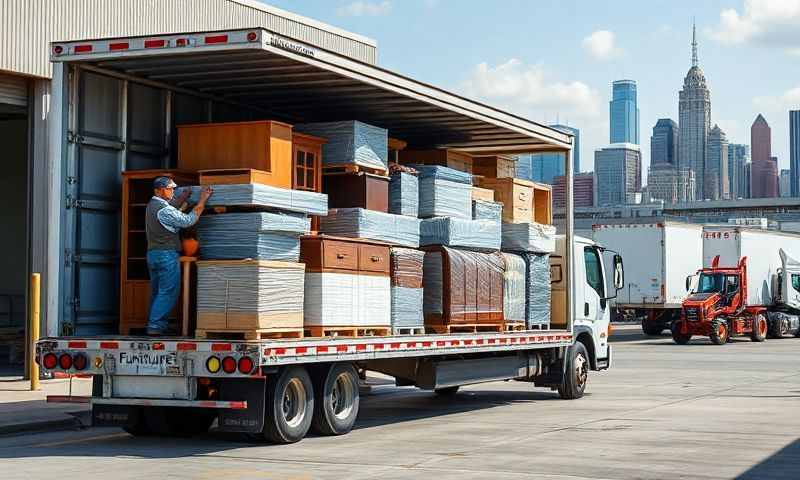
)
(623, 113)
(717, 174)
(694, 122)
(794, 152)
(764, 174)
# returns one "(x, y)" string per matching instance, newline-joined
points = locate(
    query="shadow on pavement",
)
(782, 464)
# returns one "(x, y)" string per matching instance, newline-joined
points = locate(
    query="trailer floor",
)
(663, 411)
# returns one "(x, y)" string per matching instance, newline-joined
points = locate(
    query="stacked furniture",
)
(372, 225)
(256, 235)
(405, 271)
(351, 145)
(442, 157)
(515, 282)
(403, 191)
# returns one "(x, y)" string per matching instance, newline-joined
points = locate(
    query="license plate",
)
(148, 363)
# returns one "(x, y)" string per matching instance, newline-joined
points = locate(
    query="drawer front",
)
(373, 258)
(341, 255)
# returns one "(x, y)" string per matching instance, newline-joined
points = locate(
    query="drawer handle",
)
(340, 255)
(376, 258)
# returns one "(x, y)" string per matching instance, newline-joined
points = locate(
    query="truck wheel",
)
(337, 400)
(778, 328)
(576, 374)
(652, 327)
(447, 391)
(677, 336)
(289, 406)
(719, 332)
(760, 327)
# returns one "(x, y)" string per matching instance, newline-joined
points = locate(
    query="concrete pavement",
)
(663, 411)
(22, 410)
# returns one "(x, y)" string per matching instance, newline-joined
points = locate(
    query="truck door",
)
(594, 311)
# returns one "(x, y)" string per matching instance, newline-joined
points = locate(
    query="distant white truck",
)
(659, 256)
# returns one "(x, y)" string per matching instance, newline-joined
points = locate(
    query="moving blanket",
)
(443, 198)
(372, 225)
(529, 237)
(404, 194)
(514, 288)
(456, 232)
(406, 276)
(254, 194)
(258, 235)
(537, 289)
(485, 210)
(350, 142)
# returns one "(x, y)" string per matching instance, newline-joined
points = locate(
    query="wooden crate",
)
(357, 190)
(515, 194)
(447, 158)
(542, 203)
(485, 194)
(495, 166)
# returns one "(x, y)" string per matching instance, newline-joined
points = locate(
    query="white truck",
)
(659, 255)
(279, 389)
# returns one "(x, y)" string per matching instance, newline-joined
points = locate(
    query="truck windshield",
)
(710, 283)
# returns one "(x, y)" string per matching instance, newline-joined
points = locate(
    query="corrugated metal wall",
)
(28, 26)
(13, 90)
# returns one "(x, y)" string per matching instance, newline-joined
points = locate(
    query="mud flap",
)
(251, 419)
(114, 415)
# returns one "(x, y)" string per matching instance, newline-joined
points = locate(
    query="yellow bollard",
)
(35, 298)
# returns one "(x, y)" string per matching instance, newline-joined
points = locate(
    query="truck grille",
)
(692, 314)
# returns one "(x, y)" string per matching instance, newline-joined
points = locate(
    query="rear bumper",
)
(153, 402)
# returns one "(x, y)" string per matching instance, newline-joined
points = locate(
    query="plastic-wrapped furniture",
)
(483, 210)
(529, 237)
(514, 284)
(407, 292)
(404, 194)
(444, 192)
(257, 195)
(537, 290)
(368, 224)
(256, 235)
(351, 143)
(457, 232)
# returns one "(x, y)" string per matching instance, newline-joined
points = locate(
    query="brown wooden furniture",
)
(448, 158)
(542, 203)
(515, 194)
(357, 190)
(485, 194)
(307, 157)
(344, 255)
(495, 166)
(264, 145)
(137, 189)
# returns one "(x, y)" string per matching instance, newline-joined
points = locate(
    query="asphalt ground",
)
(663, 411)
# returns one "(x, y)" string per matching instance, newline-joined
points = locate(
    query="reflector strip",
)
(118, 46)
(216, 39)
(109, 345)
(186, 346)
(83, 48)
(221, 347)
(154, 43)
(76, 344)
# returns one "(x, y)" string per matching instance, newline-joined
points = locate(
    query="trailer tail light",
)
(83, 48)
(252, 37)
(58, 49)
(155, 43)
(65, 361)
(118, 46)
(216, 39)
(80, 361)
(246, 365)
(213, 364)
(228, 365)
(50, 361)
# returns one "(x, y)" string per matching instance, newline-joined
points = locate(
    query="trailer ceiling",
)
(318, 86)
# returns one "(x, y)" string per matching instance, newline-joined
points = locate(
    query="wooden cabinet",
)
(357, 190)
(261, 145)
(307, 158)
(495, 166)
(447, 158)
(321, 253)
(373, 258)
(137, 190)
(515, 194)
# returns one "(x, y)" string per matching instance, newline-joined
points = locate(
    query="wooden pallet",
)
(408, 331)
(352, 168)
(465, 328)
(352, 331)
(515, 326)
(259, 334)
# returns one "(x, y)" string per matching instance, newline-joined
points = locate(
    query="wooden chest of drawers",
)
(321, 254)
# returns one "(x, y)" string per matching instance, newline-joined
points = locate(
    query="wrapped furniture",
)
(462, 288)
(515, 281)
(347, 284)
(483, 210)
(249, 296)
(456, 232)
(407, 293)
(256, 235)
(371, 225)
(257, 195)
(350, 143)
(529, 237)
(446, 158)
(404, 194)
(357, 190)
(537, 290)
(444, 192)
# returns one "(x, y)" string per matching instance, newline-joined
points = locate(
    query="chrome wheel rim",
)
(293, 404)
(343, 395)
(581, 370)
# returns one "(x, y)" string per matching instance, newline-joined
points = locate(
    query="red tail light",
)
(65, 361)
(245, 365)
(80, 361)
(58, 49)
(252, 36)
(50, 361)
(228, 365)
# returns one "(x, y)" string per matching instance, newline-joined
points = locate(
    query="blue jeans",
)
(165, 280)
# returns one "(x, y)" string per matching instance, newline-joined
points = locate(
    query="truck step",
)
(257, 334)
(347, 331)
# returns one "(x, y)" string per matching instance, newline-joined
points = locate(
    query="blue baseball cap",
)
(163, 182)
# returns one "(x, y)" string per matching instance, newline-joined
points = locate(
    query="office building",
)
(764, 170)
(794, 151)
(694, 122)
(618, 172)
(785, 181)
(664, 142)
(748, 180)
(583, 190)
(623, 113)
(544, 167)
(738, 156)
(716, 175)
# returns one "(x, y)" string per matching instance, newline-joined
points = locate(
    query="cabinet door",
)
(306, 170)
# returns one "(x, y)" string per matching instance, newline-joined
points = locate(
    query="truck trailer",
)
(658, 256)
(748, 285)
(113, 94)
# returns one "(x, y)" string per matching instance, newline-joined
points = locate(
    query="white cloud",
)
(788, 100)
(600, 45)
(764, 22)
(365, 9)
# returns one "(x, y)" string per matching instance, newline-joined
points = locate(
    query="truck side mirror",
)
(688, 282)
(619, 272)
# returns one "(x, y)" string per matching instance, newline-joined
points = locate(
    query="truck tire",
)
(677, 336)
(576, 374)
(289, 406)
(447, 391)
(337, 400)
(778, 328)
(719, 333)
(652, 327)
(760, 327)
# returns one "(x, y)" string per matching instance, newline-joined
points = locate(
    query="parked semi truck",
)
(280, 388)
(749, 285)
(658, 256)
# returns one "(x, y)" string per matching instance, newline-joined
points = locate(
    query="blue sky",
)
(549, 59)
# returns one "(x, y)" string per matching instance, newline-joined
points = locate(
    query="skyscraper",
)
(694, 122)
(748, 180)
(664, 142)
(785, 182)
(623, 113)
(576, 147)
(716, 174)
(738, 157)
(618, 169)
(544, 167)
(794, 151)
(764, 171)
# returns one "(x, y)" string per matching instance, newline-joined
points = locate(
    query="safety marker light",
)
(245, 365)
(212, 364)
(50, 361)
(58, 49)
(252, 36)
(98, 362)
(80, 361)
(65, 361)
(228, 365)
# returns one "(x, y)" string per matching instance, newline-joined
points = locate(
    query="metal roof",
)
(297, 82)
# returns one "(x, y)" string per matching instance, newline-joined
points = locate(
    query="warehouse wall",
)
(28, 26)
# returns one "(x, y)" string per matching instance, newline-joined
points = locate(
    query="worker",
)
(162, 223)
